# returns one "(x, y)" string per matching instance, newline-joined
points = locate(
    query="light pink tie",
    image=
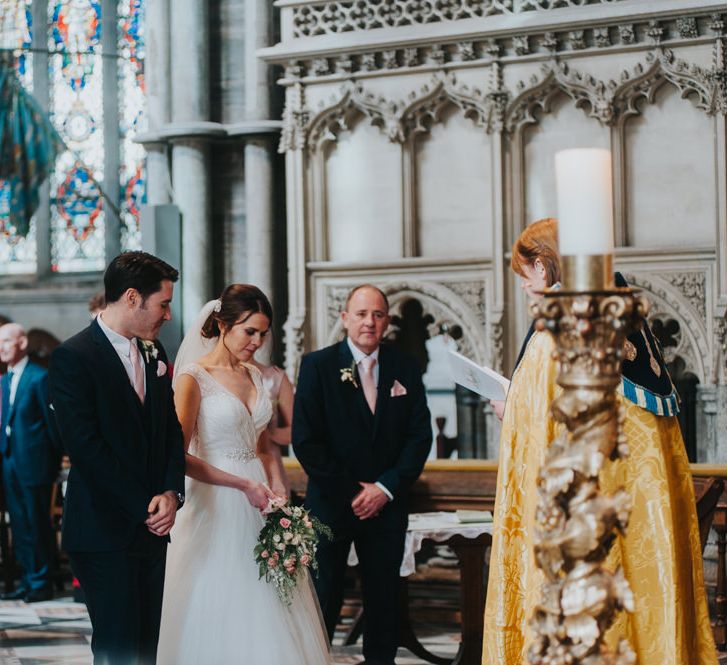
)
(367, 381)
(138, 371)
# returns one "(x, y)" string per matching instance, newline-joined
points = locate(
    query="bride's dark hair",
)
(236, 301)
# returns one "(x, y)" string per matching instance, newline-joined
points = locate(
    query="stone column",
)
(190, 175)
(158, 99)
(259, 200)
(229, 182)
(258, 152)
(190, 156)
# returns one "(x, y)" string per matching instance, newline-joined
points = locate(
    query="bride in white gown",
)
(215, 609)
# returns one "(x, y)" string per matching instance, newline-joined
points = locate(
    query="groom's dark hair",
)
(136, 270)
(237, 304)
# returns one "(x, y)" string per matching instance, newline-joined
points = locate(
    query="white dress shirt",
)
(17, 371)
(122, 346)
(358, 356)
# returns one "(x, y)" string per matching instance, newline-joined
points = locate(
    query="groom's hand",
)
(162, 512)
(369, 501)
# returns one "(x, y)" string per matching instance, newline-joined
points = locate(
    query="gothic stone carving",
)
(295, 120)
(335, 302)
(337, 16)
(693, 287)
(331, 120)
(610, 101)
(473, 294)
(496, 109)
(720, 339)
(402, 119)
(683, 29)
(294, 340)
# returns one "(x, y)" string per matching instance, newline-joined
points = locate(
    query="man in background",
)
(31, 456)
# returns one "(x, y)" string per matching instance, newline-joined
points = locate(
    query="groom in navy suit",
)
(362, 432)
(31, 457)
(113, 401)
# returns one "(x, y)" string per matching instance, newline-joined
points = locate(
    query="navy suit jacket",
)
(33, 443)
(339, 442)
(122, 452)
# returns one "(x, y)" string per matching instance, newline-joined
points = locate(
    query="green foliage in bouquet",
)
(287, 546)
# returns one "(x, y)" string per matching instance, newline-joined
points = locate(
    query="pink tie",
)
(367, 381)
(138, 371)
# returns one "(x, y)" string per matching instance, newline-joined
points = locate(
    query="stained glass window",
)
(78, 219)
(132, 119)
(16, 31)
(17, 253)
(76, 107)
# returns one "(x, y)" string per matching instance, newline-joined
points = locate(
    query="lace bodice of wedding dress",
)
(224, 424)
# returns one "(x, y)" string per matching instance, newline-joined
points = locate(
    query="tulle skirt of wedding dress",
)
(216, 611)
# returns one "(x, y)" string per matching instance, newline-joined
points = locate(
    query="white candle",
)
(585, 201)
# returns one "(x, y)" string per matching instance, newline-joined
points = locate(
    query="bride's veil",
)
(194, 345)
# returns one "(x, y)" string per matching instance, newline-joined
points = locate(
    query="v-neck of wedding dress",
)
(250, 411)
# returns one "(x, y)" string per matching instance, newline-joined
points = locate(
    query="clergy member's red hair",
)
(538, 241)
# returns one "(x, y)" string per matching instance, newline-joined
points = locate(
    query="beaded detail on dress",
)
(241, 454)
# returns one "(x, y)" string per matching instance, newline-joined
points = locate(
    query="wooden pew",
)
(471, 484)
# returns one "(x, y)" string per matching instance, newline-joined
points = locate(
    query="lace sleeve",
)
(198, 374)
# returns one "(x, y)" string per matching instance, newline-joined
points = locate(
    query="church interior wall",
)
(427, 140)
(414, 151)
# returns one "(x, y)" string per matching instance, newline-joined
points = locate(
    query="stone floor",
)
(59, 632)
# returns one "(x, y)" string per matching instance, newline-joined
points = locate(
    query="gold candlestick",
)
(576, 522)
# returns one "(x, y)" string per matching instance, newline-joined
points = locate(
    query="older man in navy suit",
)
(362, 432)
(30, 460)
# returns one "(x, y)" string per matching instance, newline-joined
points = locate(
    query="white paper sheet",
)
(481, 380)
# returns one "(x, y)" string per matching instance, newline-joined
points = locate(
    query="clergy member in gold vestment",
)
(661, 552)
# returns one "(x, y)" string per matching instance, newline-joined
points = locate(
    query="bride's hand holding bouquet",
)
(258, 494)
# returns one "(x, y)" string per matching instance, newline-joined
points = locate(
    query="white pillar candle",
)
(585, 201)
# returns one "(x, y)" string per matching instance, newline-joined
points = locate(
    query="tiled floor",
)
(59, 632)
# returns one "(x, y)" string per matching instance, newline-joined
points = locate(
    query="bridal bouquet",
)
(287, 546)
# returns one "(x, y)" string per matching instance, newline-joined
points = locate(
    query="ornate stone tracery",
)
(337, 16)
(609, 102)
(564, 43)
(331, 120)
(398, 119)
(406, 86)
(295, 120)
(293, 335)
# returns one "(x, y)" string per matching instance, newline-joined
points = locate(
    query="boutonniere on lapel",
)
(151, 352)
(348, 374)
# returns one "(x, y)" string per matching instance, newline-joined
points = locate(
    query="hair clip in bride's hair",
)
(218, 306)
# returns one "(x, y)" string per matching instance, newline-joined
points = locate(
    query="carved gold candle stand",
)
(576, 523)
